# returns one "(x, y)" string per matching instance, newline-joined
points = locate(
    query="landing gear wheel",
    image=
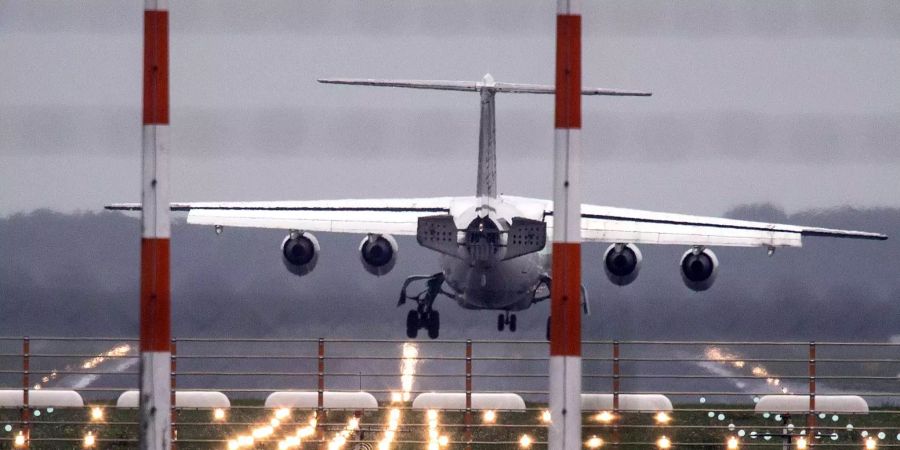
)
(433, 323)
(548, 328)
(412, 324)
(512, 323)
(501, 322)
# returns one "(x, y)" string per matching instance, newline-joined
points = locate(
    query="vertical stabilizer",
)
(487, 148)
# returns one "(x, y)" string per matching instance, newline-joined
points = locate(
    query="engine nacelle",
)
(699, 269)
(378, 253)
(622, 263)
(300, 252)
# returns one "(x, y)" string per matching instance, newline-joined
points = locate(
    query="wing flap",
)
(390, 216)
(609, 224)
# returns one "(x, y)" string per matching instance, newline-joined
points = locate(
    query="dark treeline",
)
(78, 275)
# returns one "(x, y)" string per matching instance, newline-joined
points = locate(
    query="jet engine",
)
(622, 262)
(378, 253)
(300, 252)
(699, 268)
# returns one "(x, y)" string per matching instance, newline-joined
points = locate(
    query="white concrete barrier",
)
(40, 398)
(355, 401)
(480, 401)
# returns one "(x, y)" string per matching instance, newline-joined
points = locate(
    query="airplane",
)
(493, 248)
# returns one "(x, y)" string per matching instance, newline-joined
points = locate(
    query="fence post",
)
(320, 405)
(616, 388)
(468, 394)
(174, 412)
(811, 417)
(26, 408)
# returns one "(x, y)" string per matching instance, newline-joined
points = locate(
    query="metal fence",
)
(714, 389)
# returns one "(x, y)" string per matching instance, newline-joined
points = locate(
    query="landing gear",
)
(505, 319)
(424, 316)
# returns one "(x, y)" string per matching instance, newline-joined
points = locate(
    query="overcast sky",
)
(795, 103)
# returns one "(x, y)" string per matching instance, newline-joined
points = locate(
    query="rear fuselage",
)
(495, 284)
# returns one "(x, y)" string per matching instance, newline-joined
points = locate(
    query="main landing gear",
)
(506, 319)
(424, 316)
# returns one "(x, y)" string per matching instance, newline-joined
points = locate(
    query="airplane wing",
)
(608, 224)
(394, 216)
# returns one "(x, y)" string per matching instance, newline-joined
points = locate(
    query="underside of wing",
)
(394, 216)
(608, 224)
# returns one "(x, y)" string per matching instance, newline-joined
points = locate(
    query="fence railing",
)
(714, 392)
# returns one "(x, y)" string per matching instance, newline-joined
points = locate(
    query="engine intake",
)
(300, 252)
(699, 269)
(622, 263)
(378, 253)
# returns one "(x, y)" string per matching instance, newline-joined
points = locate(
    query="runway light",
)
(663, 442)
(662, 418)
(96, 413)
(89, 440)
(219, 414)
(545, 416)
(489, 416)
(605, 417)
(733, 443)
(525, 441)
(19, 441)
(594, 442)
(801, 444)
(871, 444)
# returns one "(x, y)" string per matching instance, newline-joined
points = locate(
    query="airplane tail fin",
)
(486, 189)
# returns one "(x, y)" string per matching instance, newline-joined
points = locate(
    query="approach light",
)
(233, 444)
(662, 418)
(545, 416)
(96, 413)
(801, 444)
(19, 441)
(89, 440)
(594, 442)
(489, 416)
(733, 443)
(218, 414)
(282, 413)
(871, 444)
(525, 441)
(663, 442)
(605, 417)
(443, 441)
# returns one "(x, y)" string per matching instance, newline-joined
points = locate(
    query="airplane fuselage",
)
(508, 285)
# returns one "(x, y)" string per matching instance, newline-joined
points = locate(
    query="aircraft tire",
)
(434, 324)
(412, 324)
(501, 322)
(548, 328)
(512, 323)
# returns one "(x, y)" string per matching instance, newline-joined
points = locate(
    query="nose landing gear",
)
(506, 319)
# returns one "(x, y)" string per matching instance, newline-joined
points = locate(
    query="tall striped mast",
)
(156, 317)
(565, 302)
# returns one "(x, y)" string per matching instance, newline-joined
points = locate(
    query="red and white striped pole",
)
(155, 403)
(565, 303)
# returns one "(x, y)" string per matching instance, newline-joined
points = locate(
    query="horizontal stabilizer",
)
(487, 83)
